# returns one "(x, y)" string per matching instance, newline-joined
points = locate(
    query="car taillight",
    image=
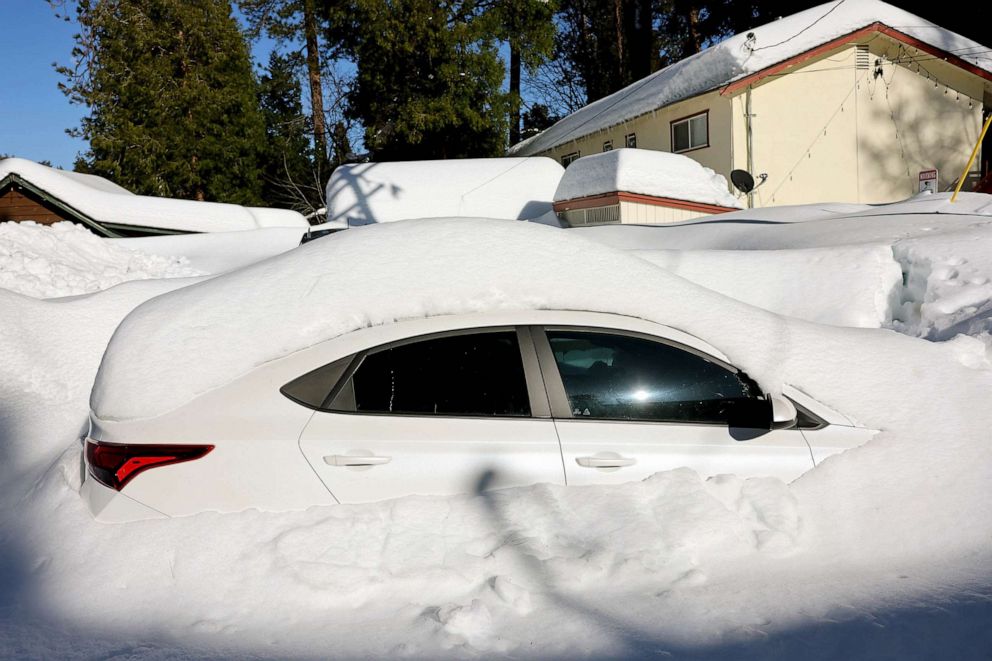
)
(115, 465)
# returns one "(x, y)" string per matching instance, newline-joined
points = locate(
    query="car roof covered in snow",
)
(104, 201)
(208, 334)
(511, 188)
(741, 55)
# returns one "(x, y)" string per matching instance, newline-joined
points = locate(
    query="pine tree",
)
(173, 103)
(428, 81)
(291, 173)
(527, 29)
(301, 23)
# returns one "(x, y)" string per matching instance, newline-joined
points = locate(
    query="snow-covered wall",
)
(511, 188)
(105, 201)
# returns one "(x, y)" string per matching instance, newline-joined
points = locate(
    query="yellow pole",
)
(974, 153)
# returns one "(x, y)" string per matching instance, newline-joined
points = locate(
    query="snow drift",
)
(66, 259)
(881, 551)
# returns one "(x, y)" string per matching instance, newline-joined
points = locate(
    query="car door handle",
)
(350, 460)
(605, 462)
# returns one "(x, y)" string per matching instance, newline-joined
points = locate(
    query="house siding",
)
(826, 130)
(654, 132)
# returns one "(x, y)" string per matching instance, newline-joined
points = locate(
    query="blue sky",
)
(34, 114)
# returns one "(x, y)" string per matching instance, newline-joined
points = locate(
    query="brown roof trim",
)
(879, 27)
(16, 181)
(607, 199)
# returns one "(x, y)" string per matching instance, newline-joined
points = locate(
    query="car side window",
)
(621, 377)
(476, 374)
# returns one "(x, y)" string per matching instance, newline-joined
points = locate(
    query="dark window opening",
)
(478, 374)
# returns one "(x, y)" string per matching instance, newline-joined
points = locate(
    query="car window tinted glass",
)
(620, 377)
(479, 374)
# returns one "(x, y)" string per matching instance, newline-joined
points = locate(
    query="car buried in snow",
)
(451, 404)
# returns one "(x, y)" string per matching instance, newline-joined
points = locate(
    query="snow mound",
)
(511, 188)
(105, 201)
(879, 552)
(66, 259)
(866, 282)
(218, 252)
(644, 172)
(740, 56)
(212, 332)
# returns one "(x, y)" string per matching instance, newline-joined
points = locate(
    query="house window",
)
(567, 159)
(691, 133)
(630, 141)
(608, 145)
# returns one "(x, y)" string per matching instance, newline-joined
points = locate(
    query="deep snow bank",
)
(881, 551)
(942, 249)
(865, 281)
(218, 252)
(66, 259)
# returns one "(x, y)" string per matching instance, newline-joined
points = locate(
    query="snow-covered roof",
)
(740, 56)
(106, 202)
(511, 188)
(644, 172)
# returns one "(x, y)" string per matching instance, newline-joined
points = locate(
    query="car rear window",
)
(476, 374)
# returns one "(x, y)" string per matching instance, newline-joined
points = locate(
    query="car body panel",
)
(269, 450)
(430, 455)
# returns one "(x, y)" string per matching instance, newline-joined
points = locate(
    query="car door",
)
(627, 405)
(448, 413)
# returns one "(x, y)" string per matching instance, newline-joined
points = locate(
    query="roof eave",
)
(828, 46)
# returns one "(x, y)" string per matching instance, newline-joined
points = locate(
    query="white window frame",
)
(607, 145)
(630, 141)
(705, 115)
(569, 158)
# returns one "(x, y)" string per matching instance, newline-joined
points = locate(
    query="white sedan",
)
(453, 404)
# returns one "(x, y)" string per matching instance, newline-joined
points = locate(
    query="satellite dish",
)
(742, 180)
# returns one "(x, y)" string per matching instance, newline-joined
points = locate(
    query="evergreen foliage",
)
(173, 103)
(429, 79)
(290, 175)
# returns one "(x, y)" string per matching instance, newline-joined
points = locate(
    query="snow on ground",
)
(67, 259)
(639, 171)
(866, 280)
(880, 552)
(942, 250)
(219, 252)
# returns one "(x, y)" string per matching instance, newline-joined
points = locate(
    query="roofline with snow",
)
(733, 87)
(109, 230)
(13, 179)
(828, 46)
(606, 199)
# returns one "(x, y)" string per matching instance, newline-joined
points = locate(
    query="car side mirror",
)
(762, 415)
(751, 414)
(784, 413)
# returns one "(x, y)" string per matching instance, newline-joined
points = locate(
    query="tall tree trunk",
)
(514, 93)
(313, 76)
(695, 38)
(621, 55)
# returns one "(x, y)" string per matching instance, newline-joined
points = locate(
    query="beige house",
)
(846, 102)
